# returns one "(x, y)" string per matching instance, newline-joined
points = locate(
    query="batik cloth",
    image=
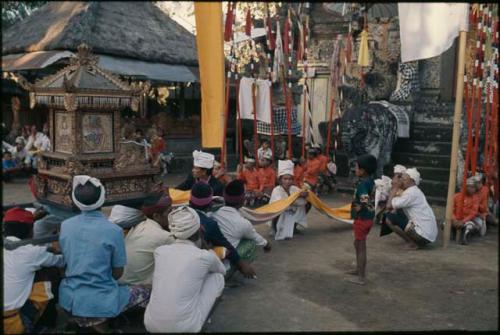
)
(139, 296)
(280, 123)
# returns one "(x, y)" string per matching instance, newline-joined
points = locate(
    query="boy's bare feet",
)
(357, 281)
(352, 272)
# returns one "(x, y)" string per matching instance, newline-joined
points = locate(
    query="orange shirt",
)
(313, 168)
(324, 162)
(470, 209)
(483, 201)
(267, 178)
(225, 179)
(250, 178)
(298, 175)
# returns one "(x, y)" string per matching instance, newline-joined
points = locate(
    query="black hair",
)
(87, 194)
(138, 130)
(7, 153)
(18, 229)
(368, 163)
(388, 170)
(208, 171)
(234, 188)
(264, 141)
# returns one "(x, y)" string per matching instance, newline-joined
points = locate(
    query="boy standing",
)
(363, 212)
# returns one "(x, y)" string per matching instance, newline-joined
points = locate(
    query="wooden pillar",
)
(182, 103)
(456, 136)
(16, 107)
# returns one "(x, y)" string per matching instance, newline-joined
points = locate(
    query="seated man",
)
(187, 280)
(250, 177)
(201, 201)
(298, 171)
(236, 229)
(416, 222)
(286, 224)
(142, 240)
(267, 178)
(313, 169)
(468, 220)
(27, 294)
(202, 171)
(326, 178)
(221, 174)
(37, 142)
(94, 251)
(20, 154)
(264, 150)
(484, 196)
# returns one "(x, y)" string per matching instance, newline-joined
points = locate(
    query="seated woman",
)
(285, 225)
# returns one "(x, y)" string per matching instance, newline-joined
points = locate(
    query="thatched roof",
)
(134, 29)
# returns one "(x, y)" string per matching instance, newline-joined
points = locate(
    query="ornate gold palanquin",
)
(84, 104)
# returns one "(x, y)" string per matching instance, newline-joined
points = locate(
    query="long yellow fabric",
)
(364, 53)
(209, 42)
(274, 209)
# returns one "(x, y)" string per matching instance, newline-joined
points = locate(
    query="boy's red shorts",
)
(362, 228)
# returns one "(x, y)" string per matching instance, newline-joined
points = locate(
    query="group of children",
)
(314, 172)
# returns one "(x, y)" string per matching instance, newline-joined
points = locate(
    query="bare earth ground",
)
(301, 284)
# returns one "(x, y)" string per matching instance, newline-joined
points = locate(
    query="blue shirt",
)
(8, 164)
(364, 196)
(92, 246)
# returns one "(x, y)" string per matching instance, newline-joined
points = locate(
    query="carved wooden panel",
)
(97, 133)
(63, 133)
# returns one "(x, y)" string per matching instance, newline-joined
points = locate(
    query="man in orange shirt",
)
(484, 194)
(313, 169)
(469, 221)
(250, 177)
(298, 171)
(267, 178)
(221, 174)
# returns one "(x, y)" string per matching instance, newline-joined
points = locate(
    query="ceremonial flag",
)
(429, 29)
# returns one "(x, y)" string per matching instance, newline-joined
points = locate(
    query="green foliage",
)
(14, 11)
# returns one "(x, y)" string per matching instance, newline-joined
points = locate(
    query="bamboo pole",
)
(456, 135)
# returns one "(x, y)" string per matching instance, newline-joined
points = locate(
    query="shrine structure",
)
(85, 103)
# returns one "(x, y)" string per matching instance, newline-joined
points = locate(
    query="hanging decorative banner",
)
(209, 43)
(248, 25)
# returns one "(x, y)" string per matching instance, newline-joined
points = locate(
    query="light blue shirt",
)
(92, 246)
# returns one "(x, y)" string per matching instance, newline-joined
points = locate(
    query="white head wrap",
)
(20, 140)
(285, 167)
(399, 168)
(471, 181)
(414, 174)
(217, 164)
(184, 222)
(126, 217)
(203, 159)
(82, 180)
(478, 178)
(249, 160)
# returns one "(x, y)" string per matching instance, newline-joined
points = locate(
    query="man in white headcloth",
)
(203, 164)
(94, 251)
(142, 239)
(186, 281)
(383, 187)
(285, 224)
(416, 222)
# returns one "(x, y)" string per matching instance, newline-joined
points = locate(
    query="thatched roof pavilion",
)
(129, 37)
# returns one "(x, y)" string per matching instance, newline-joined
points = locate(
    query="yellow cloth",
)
(364, 52)
(40, 296)
(220, 252)
(274, 209)
(209, 42)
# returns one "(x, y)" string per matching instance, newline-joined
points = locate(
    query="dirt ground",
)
(301, 285)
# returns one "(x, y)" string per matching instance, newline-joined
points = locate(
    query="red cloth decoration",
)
(20, 215)
(248, 26)
(270, 36)
(228, 29)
